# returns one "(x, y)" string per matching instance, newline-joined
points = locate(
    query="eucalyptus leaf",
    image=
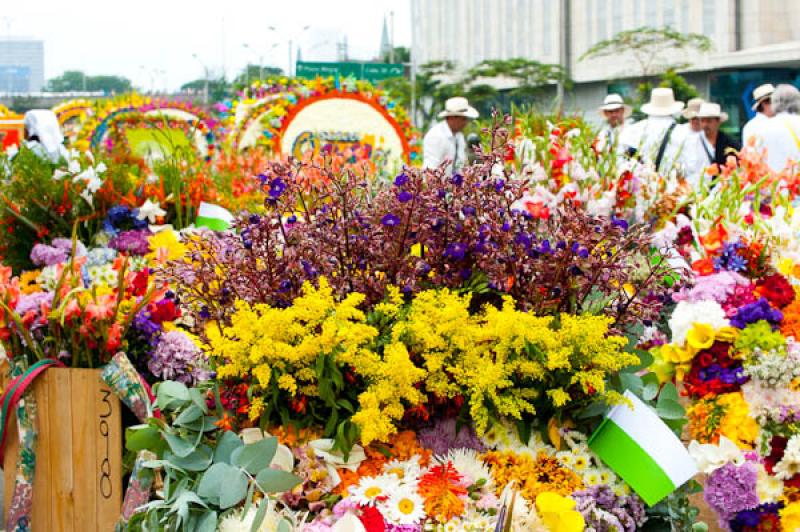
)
(207, 522)
(178, 445)
(142, 437)
(668, 391)
(226, 444)
(197, 460)
(211, 483)
(261, 513)
(284, 526)
(669, 409)
(198, 399)
(254, 457)
(631, 382)
(233, 489)
(192, 413)
(276, 481)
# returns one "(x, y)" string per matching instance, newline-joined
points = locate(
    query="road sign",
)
(372, 72)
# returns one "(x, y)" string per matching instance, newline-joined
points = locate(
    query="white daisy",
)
(468, 463)
(408, 471)
(370, 490)
(405, 506)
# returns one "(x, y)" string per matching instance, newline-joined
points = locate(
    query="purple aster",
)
(404, 196)
(390, 220)
(750, 519)
(457, 180)
(754, 312)
(44, 255)
(619, 222)
(731, 489)
(400, 180)
(276, 187)
(455, 251)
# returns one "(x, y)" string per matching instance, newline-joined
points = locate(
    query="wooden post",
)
(77, 483)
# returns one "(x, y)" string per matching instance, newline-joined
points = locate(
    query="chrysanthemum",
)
(469, 464)
(407, 471)
(371, 490)
(405, 506)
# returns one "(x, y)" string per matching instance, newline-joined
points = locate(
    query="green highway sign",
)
(372, 72)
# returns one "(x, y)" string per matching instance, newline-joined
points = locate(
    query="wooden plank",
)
(10, 463)
(59, 438)
(42, 510)
(84, 449)
(108, 455)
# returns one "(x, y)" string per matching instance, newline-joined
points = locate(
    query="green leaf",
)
(171, 394)
(330, 425)
(233, 489)
(178, 445)
(226, 444)
(259, 517)
(668, 391)
(197, 460)
(198, 399)
(631, 382)
(597, 408)
(193, 413)
(345, 404)
(645, 361)
(284, 526)
(142, 437)
(276, 481)
(207, 522)
(254, 457)
(669, 409)
(651, 386)
(211, 483)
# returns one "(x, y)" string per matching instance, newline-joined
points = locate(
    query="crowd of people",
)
(689, 146)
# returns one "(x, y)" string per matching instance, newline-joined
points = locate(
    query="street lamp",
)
(260, 61)
(205, 73)
(290, 43)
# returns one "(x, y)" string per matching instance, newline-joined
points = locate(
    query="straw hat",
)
(613, 102)
(761, 93)
(692, 106)
(712, 110)
(458, 106)
(662, 103)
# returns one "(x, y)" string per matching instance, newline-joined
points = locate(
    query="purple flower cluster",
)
(730, 259)
(604, 511)
(731, 489)
(729, 375)
(121, 218)
(56, 253)
(134, 242)
(754, 312)
(442, 436)
(177, 358)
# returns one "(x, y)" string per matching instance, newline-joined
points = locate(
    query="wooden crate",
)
(78, 480)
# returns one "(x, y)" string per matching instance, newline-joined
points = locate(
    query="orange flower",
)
(225, 423)
(703, 266)
(716, 237)
(442, 490)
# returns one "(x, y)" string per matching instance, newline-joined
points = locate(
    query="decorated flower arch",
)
(293, 117)
(11, 128)
(144, 124)
(73, 114)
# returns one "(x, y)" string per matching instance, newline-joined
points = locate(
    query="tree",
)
(648, 46)
(531, 77)
(436, 81)
(218, 89)
(75, 80)
(402, 54)
(253, 72)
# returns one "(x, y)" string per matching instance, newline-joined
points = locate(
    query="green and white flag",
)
(213, 217)
(642, 449)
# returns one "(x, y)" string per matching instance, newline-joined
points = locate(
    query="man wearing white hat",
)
(656, 139)
(781, 133)
(615, 111)
(717, 145)
(445, 140)
(694, 132)
(762, 96)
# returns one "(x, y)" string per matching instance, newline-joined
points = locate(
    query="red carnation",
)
(776, 289)
(372, 519)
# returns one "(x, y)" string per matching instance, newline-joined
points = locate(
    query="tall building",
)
(753, 41)
(21, 65)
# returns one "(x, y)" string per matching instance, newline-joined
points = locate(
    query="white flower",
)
(768, 488)
(150, 210)
(687, 314)
(405, 506)
(469, 464)
(789, 465)
(59, 174)
(100, 168)
(74, 167)
(408, 471)
(370, 490)
(334, 460)
(710, 457)
(348, 523)
(241, 522)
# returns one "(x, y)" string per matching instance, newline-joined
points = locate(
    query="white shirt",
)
(441, 144)
(646, 136)
(754, 128)
(695, 156)
(781, 136)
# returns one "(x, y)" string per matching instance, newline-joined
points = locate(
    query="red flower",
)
(139, 283)
(776, 289)
(164, 310)
(372, 519)
(704, 266)
(298, 404)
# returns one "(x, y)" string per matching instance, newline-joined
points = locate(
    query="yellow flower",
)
(676, 355)
(558, 513)
(790, 517)
(727, 334)
(417, 250)
(700, 336)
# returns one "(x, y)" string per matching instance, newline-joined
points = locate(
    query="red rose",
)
(139, 284)
(164, 310)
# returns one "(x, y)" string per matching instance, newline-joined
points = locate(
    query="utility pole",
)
(391, 36)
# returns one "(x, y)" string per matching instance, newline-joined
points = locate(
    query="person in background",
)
(445, 140)
(43, 135)
(657, 139)
(763, 108)
(694, 142)
(717, 145)
(781, 133)
(615, 111)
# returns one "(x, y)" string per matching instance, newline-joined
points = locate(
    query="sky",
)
(152, 42)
